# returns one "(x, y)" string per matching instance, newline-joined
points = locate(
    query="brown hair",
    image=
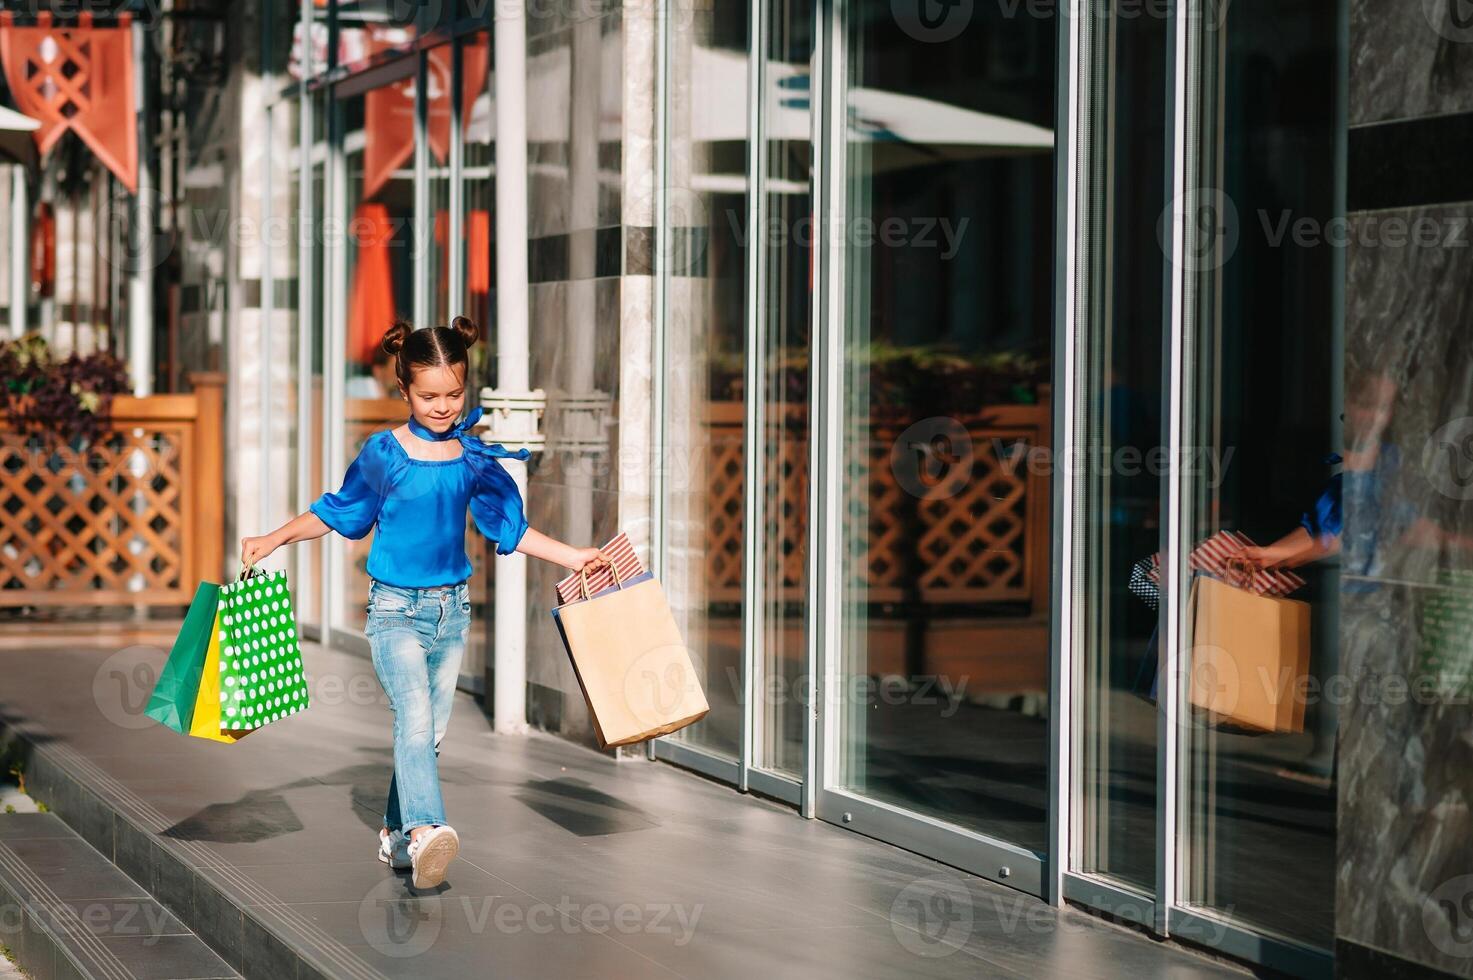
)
(430, 347)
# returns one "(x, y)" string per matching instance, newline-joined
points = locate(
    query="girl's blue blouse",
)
(419, 509)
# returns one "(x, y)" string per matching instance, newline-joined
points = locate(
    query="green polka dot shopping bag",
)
(261, 677)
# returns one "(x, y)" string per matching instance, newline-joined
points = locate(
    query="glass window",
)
(947, 339)
(579, 307)
(1264, 431)
(475, 299)
(1116, 770)
(783, 683)
(307, 581)
(706, 354)
(378, 146)
(479, 140)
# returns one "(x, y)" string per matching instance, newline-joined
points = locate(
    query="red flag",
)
(78, 78)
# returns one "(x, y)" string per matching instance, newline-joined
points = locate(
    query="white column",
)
(509, 704)
(20, 243)
(140, 275)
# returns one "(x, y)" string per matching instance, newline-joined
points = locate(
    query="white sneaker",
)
(395, 855)
(431, 853)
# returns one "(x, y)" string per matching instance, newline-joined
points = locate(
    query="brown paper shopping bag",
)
(631, 662)
(1249, 656)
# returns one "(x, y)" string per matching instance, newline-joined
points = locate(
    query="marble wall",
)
(1404, 897)
(590, 106)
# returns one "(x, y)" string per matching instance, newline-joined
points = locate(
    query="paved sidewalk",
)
(572, 865)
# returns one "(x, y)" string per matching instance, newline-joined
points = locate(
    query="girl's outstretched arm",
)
(304, 527)
(535, 544)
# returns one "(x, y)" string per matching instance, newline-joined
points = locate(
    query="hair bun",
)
(466, 329)
(395, 337)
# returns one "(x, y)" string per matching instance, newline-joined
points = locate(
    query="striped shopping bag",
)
(622, 552)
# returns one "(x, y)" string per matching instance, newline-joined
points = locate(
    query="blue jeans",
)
(418, 638)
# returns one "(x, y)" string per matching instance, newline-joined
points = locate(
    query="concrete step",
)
(67, 911)
(245, 932)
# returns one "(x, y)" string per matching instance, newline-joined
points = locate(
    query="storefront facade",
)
(917, 347)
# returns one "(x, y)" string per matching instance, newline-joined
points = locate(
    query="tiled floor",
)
(572, 865)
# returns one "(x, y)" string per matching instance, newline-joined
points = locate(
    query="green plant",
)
(64, 400)
(916, 379)
(42, 807)
(6, 953)
(10, 808)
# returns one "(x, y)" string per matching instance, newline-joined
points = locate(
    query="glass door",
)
(940, 254)
(1203, 658)
(1262, 415)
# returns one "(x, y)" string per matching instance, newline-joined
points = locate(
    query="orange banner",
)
(80, 79)
(477, 234)
(389, 110)
(371, 299)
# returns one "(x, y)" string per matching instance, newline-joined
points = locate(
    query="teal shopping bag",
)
(261, 678)
(172, 701)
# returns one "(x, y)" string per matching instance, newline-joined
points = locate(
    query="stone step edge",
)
(42, 950)
(263, 948)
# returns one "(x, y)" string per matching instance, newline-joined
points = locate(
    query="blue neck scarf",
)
(471, 443)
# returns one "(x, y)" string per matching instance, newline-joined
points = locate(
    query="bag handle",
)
(583, 591)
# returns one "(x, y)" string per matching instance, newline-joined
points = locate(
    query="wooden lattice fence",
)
(986, 542)
(136, 517)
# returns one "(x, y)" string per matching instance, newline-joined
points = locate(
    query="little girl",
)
(413, 484)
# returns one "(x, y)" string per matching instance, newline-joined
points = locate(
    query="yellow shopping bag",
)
(206, 720)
